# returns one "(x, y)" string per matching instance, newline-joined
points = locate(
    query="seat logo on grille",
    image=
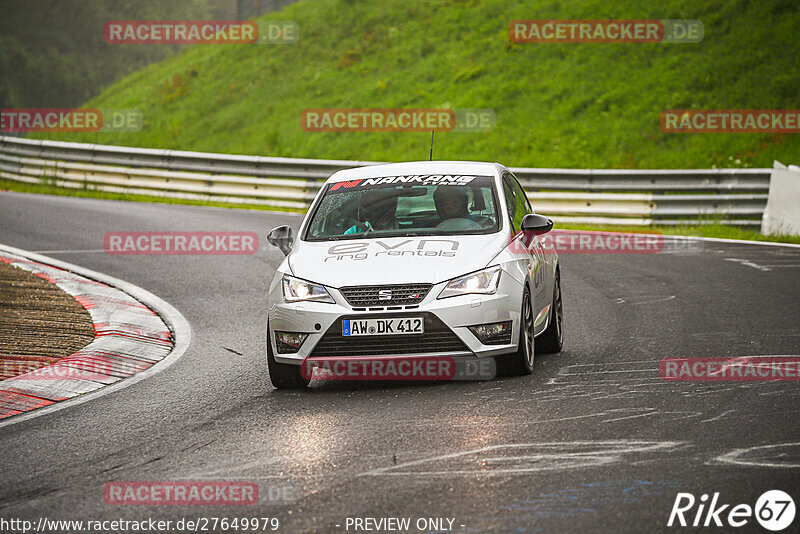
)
(385, 294)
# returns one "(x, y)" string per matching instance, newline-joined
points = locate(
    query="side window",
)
(521, 192)
(511, 203)
(518, 206)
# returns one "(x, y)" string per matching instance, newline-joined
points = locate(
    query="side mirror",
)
(281, 237)
(536, 224)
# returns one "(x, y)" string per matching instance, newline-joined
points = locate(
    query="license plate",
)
(383, 327)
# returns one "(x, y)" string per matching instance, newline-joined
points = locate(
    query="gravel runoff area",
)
(39, 323)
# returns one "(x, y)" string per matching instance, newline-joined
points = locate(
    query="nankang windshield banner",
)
(363, 184)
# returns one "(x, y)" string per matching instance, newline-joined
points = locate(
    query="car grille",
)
(437, 338)
(405, 294)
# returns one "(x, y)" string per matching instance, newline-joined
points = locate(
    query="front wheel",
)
(283, 375)
(520, 362)
(552, 339)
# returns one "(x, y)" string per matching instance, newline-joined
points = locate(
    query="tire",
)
(520, 362)
(283, 375)
(552, 339)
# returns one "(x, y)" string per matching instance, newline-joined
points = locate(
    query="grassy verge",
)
(707, 230)
(42, 189)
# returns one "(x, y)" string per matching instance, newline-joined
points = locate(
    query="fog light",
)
(493, 333)
(289, 342)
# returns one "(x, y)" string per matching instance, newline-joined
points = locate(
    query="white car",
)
(421, 259)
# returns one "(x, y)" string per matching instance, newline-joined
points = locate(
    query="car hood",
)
(393, 260)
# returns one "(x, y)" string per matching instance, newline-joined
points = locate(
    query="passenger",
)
(451, 202)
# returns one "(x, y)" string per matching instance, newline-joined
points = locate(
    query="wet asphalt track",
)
(593, 441)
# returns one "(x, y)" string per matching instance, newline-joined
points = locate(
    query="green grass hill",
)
(580, 105)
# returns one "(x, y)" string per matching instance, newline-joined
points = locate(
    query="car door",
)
(538, 269)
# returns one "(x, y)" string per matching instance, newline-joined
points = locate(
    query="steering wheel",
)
(458, 223)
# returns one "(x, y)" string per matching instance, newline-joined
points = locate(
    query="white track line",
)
(737, 241)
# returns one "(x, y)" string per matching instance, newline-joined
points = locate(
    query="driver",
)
(451, 202)
(376, 211)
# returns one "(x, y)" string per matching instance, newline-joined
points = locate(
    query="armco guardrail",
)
(635, 197)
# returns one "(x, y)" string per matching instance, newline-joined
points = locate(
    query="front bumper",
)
(455, 314)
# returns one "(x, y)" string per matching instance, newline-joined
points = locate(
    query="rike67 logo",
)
(774, 510)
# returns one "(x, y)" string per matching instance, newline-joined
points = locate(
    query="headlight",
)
(483, 282)
(296, 290)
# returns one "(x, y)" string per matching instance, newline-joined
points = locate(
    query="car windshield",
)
(405, 206)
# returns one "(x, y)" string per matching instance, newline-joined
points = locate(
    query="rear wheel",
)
(552, 339)
(283, 375)
(520, 362)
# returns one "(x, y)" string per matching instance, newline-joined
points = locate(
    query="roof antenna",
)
(432, 132)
